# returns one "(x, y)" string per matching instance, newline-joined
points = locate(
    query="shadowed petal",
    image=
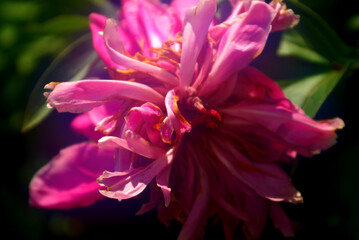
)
(69, 179)
(124, 185)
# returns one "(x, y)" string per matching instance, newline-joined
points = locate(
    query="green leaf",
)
(62, 24)
(313, 39)
(74, 63)
(310, 92)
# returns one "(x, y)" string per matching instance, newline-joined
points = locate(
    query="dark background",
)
(329, 182)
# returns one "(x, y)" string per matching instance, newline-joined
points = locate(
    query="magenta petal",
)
(162, 180)
(97, 25)
(242, 42)
(194, 32)
(69, 179)
(280, 220)
(300, 132)
(113, 43)
(133, 143)
(82, 96)
(181, 6)
(197, 217)
(85, 126)
(175, 118)
(268, 180)
(124, 185)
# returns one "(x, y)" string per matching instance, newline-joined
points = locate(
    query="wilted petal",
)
(195, 28)
(69, 179)
(82, 96)
(124, 185)
(285, 18)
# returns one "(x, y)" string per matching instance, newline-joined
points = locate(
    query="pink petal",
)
(162, 180)
(84, 125)
(181, 6)
(124, 185)
(175, 118)
(69, 179)
(82, 96)
(195, 28)
(268, 180)
(300, 132)
(242, 42)
(97, 25)
(112, 40)
(285, 18)
(197, 217)
(280, 220)
(133, 143)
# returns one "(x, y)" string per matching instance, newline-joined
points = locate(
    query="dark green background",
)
(29, 40)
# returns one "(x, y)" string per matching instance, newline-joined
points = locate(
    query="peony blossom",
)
(186, 115)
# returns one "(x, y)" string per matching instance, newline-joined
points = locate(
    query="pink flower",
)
(188, 117)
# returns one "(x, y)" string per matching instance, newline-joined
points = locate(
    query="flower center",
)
(197, 114)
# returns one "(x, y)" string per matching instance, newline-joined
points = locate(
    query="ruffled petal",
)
(242, 42)
(82, 96)
(69, 179)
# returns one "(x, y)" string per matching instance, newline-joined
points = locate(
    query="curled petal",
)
(82, 96)
(195, 28)
(69, 179)
(285, 18)
(124, 185)
(175, 118)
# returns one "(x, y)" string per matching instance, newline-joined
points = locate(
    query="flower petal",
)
(300, 132)
(112, 41)
(242, 42)
(285, 18)
(82, 96)
(268, 180)
(280, 220)
(124, 185)
(175, 118)
(134, 143)
(195, 28)
(69, 179)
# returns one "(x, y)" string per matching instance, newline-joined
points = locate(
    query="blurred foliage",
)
(32, 33)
